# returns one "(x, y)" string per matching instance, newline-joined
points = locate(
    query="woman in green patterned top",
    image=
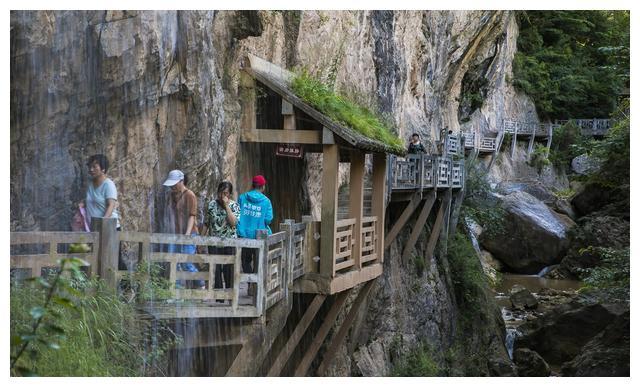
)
(220, 220)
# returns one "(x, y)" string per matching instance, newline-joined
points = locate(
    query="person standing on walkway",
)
(184, 205)
(102, 196)
(221, 219)
(256, 213)
(415, 146)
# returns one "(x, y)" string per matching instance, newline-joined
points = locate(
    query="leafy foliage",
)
(83, 330)
(478, 202)
(573, 64)
(468, 278)
(567, 144)
(614, 151)
(612, 276)
(147, 283)
(359, 118)
(418, 362)
(540, 157)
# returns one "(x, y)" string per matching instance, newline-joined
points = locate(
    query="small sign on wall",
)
(289, 150)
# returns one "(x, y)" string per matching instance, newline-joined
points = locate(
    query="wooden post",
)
(513, 141)
(108, 249)
(330, 161)
(289, 116)
(378, 202)
(311, 237)
(329, 320)
(290, 254)
(531, 141)
(356, 198)
(262, 265)
(247, 94)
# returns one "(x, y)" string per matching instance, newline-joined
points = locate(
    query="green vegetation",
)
(574, 64)
(359, 118)
(418, 362)
(469, 280)
(79, 327)
(612, 276)
(567, 144)
(147, 283)
(614, 151)
(478, 203)
(540, 157)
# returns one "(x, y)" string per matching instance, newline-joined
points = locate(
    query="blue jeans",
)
(186, 266)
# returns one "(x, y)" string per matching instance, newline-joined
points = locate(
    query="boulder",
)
(559, 335)
(521, 298)
(531, 235)
(530, 363)
(607, 354)
(501, 367)
(591, 197)
(584, 165)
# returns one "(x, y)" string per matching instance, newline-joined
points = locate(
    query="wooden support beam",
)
(402, 220)
(339, 337)
(329, 208)
(259, 339)
(437, 225)
(444, 231)
(455, 214)
(281, 136)
(356, 199)
(329, 320)
(379, 200)
(295, 337)
(420, 222)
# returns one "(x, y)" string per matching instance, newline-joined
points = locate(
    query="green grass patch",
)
(101, 335)
(342, 110)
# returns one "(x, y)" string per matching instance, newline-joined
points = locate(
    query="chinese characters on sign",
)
(289, 150)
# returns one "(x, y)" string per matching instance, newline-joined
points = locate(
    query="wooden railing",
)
(487, 144)
(469, 140)
(424, 171)
(452, 145)
(345, 240)
(368, 238)
(53, 247)
(590, 127)
(277, 260)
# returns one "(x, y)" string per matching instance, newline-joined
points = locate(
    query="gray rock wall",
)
(160, 90)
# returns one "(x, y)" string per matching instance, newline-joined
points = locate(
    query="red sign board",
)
(289, 150)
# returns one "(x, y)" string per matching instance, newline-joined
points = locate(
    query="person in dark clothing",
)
(415, 146)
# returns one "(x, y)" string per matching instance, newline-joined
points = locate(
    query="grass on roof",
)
(340, 109)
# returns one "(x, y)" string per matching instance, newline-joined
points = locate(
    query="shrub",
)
(418, 362)
(612, 276)
(540, 157)
(102, 336)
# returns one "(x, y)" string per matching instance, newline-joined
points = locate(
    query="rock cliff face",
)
(160, 90)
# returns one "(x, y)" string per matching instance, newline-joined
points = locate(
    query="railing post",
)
(108, 249)
(287, 226)
(262, 267)
(377, 200)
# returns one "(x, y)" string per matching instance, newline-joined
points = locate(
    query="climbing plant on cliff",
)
(573, 64)
(339, 108)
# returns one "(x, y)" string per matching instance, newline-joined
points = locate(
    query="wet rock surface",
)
(532, 236)
(607, 354)
(521, 298)
(559, 334)
(530, 363)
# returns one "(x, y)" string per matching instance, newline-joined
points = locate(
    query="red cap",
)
(259, 180)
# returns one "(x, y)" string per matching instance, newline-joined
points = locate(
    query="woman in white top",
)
(102, 196)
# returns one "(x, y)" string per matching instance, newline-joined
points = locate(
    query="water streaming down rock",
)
(160, 90)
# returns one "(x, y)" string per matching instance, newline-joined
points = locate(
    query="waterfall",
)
(512, 333)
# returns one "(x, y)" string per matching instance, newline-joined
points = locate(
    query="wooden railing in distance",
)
(343, 258)
(24, 243)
